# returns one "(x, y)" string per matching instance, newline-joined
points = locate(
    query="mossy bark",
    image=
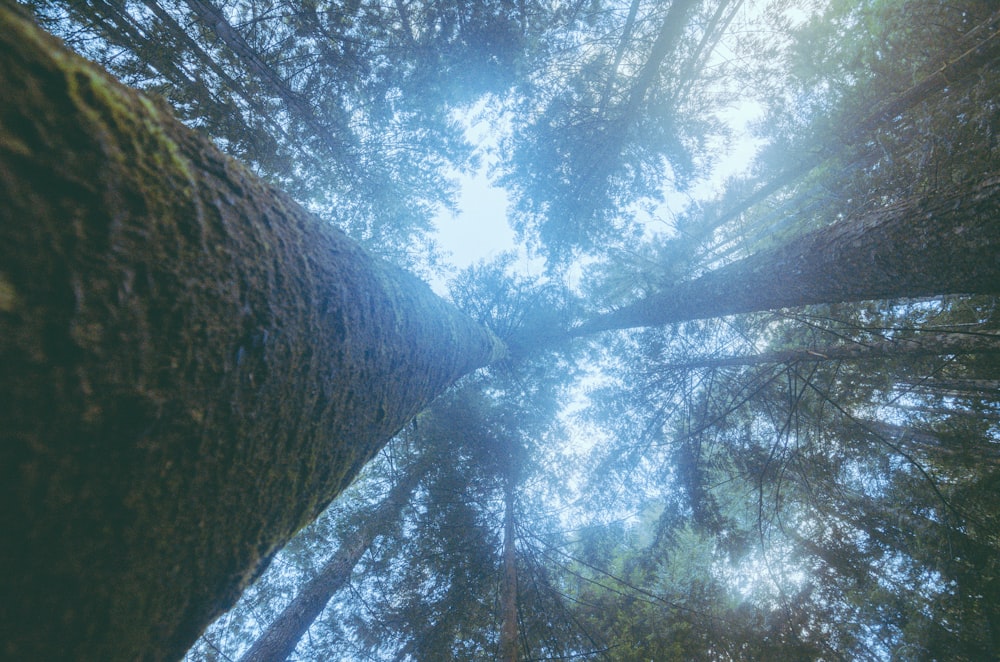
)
(191, 366)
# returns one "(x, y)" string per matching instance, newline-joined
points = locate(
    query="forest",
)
(735, 394)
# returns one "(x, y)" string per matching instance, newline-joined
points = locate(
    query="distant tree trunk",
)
(671, 31)
(926, 344)
(213, 18)
(181, 37)
(915, 440)
(977, 48)
(957, 387)
(404, 21)
(281, 637)
(192, 367)
(946, 242)
(509, 631)
(616, 62)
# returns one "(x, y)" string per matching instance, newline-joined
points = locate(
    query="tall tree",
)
(594, 136)
(183, 329)
(330, 101)
(508, 592)
(879, 254)
(954, 68)
(193, 367)
(462, 584)
(278, 641)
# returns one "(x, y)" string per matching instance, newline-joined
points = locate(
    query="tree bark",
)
(946, 242)
(509, 630)
(192, 367)
(926, 344)
(283, 634)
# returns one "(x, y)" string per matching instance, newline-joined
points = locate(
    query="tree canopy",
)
(739, 413)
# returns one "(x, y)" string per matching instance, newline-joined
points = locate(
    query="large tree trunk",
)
(192, 367)
(281, 637)
(945, 242)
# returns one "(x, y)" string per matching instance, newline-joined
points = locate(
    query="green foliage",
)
(345, 106)
(603, 125)
(684, 507)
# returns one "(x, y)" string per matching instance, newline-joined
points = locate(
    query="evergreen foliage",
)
(757, 423)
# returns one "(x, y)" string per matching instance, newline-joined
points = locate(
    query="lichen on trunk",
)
(192, 367)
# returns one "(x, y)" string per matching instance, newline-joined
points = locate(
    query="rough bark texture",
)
(192, 367)
(280, 638)
(947, 242)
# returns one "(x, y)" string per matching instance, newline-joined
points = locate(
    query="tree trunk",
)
(192, 367)
(926, 344)
(404, 21)
(978, 47)
(616, 62)
(914, 440)
(508, 630)
(215, 20)
(947, 242)
(282, 635)
(183, 39)
(667, 40)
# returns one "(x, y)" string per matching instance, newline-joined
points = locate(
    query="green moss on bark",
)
(192, 367)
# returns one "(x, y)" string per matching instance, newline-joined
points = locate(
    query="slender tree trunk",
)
(616, 62)
(192, 367)
(404, 21)
(714, 30)
(947, 242)
(926, 442)
(213, 18)
(281, 637)
(927, 344)
(980, 46)
(117, 27)
(674, 24)
(509, 631)
(182, 38)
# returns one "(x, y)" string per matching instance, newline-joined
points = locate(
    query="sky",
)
(479, 229)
